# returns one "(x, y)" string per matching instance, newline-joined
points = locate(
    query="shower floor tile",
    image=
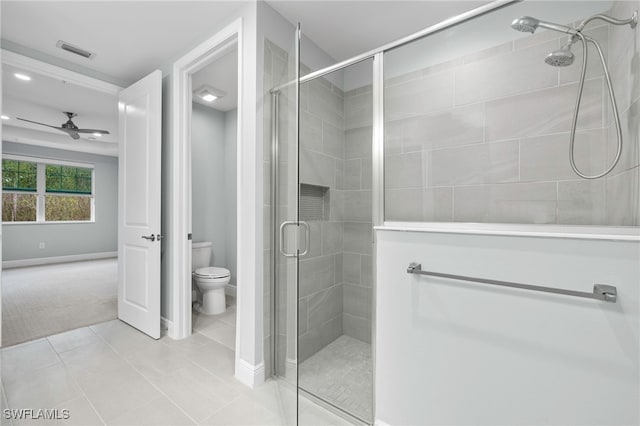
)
(342, 374)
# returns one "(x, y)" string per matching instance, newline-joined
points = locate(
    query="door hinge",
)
(189, 236)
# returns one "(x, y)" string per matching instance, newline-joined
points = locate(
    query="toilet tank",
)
(200, 255)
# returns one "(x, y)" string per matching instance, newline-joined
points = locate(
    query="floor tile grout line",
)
(147, 380)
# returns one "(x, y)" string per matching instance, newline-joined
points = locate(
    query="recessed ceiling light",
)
(4, 117)
(208, 97)
(23, 77)
(97, 134)
(208, 93)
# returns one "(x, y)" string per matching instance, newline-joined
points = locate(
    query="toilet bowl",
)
(211, 282)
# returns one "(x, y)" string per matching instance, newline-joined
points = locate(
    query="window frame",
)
(41, 188)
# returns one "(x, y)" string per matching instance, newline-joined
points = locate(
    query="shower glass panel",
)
(478, 125)
(335, 276)
(281, 355)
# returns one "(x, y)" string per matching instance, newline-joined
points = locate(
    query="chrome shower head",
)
(562, 57)
(526, 24)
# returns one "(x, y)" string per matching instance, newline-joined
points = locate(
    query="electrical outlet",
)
(41, 245)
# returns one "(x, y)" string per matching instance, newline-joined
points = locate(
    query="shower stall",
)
(457, 129)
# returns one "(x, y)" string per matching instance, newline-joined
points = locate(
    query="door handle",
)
(282, 227)
(150, 237)
(307, 233)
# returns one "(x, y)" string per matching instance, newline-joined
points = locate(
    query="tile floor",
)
(111, 374)
(341, 373)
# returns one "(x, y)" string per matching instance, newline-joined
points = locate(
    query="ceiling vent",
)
(75, 50)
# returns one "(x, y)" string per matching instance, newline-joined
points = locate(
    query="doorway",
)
(213, 199)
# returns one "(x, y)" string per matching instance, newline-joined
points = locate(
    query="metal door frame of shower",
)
(377, 55)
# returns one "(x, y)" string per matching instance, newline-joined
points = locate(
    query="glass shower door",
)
(285, 107)
(335, 285)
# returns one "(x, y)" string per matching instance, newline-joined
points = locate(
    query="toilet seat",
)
(212, 272)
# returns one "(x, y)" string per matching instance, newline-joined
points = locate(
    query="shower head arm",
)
(557, 27)
(633, 21)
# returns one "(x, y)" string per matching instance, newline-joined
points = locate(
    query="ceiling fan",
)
(69, 127)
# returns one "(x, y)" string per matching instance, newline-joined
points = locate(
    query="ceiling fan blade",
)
(102, 132)
(71, 133)
(42, 124)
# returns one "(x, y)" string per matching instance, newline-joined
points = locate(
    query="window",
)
(37, 190)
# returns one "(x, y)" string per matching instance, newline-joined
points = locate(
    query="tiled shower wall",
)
(335, 153)
(485, 137)
(335, 277)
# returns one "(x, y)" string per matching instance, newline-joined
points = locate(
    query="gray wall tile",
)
(623, 198)
(352, 268)
(358, 110)
(357, 206)
(457, 126)
(331, 237)
(352, 174)
(420, 96)
(403, 171)
(473, 164)
(506, 203)
(325, 305)
(357, 300)
(318, 274)
(403, 204)
(358, 143)
(366, 270)
(582, 202)
(333, 140)
(356, 327)
(544, 158)
(357, 237)
(317, 169)
(496, 77)
(437, 205)
(544, 111)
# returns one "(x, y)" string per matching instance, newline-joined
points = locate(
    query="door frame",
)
(180, 186)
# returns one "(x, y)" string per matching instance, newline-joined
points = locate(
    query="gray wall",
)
(485, 137)
(22, 241)
(213, 198)
(230, 187)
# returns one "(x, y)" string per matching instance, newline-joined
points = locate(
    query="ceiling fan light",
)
(97, 134)
(22, 77)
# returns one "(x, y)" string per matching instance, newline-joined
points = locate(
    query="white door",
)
(140, 116)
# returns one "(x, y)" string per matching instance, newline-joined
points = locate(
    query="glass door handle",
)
(282, 227)
(307, 233)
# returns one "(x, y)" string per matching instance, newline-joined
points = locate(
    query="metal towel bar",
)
(607, 293)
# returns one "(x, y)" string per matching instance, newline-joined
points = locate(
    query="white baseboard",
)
(379, 422)
(248, 374)
(166, 328)
(8, 264)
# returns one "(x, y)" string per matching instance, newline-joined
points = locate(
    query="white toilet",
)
(210, 280)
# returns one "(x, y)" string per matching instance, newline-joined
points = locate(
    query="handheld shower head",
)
(528, 24)
(562, 57)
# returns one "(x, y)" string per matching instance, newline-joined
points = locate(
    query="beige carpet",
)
(43, 300)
